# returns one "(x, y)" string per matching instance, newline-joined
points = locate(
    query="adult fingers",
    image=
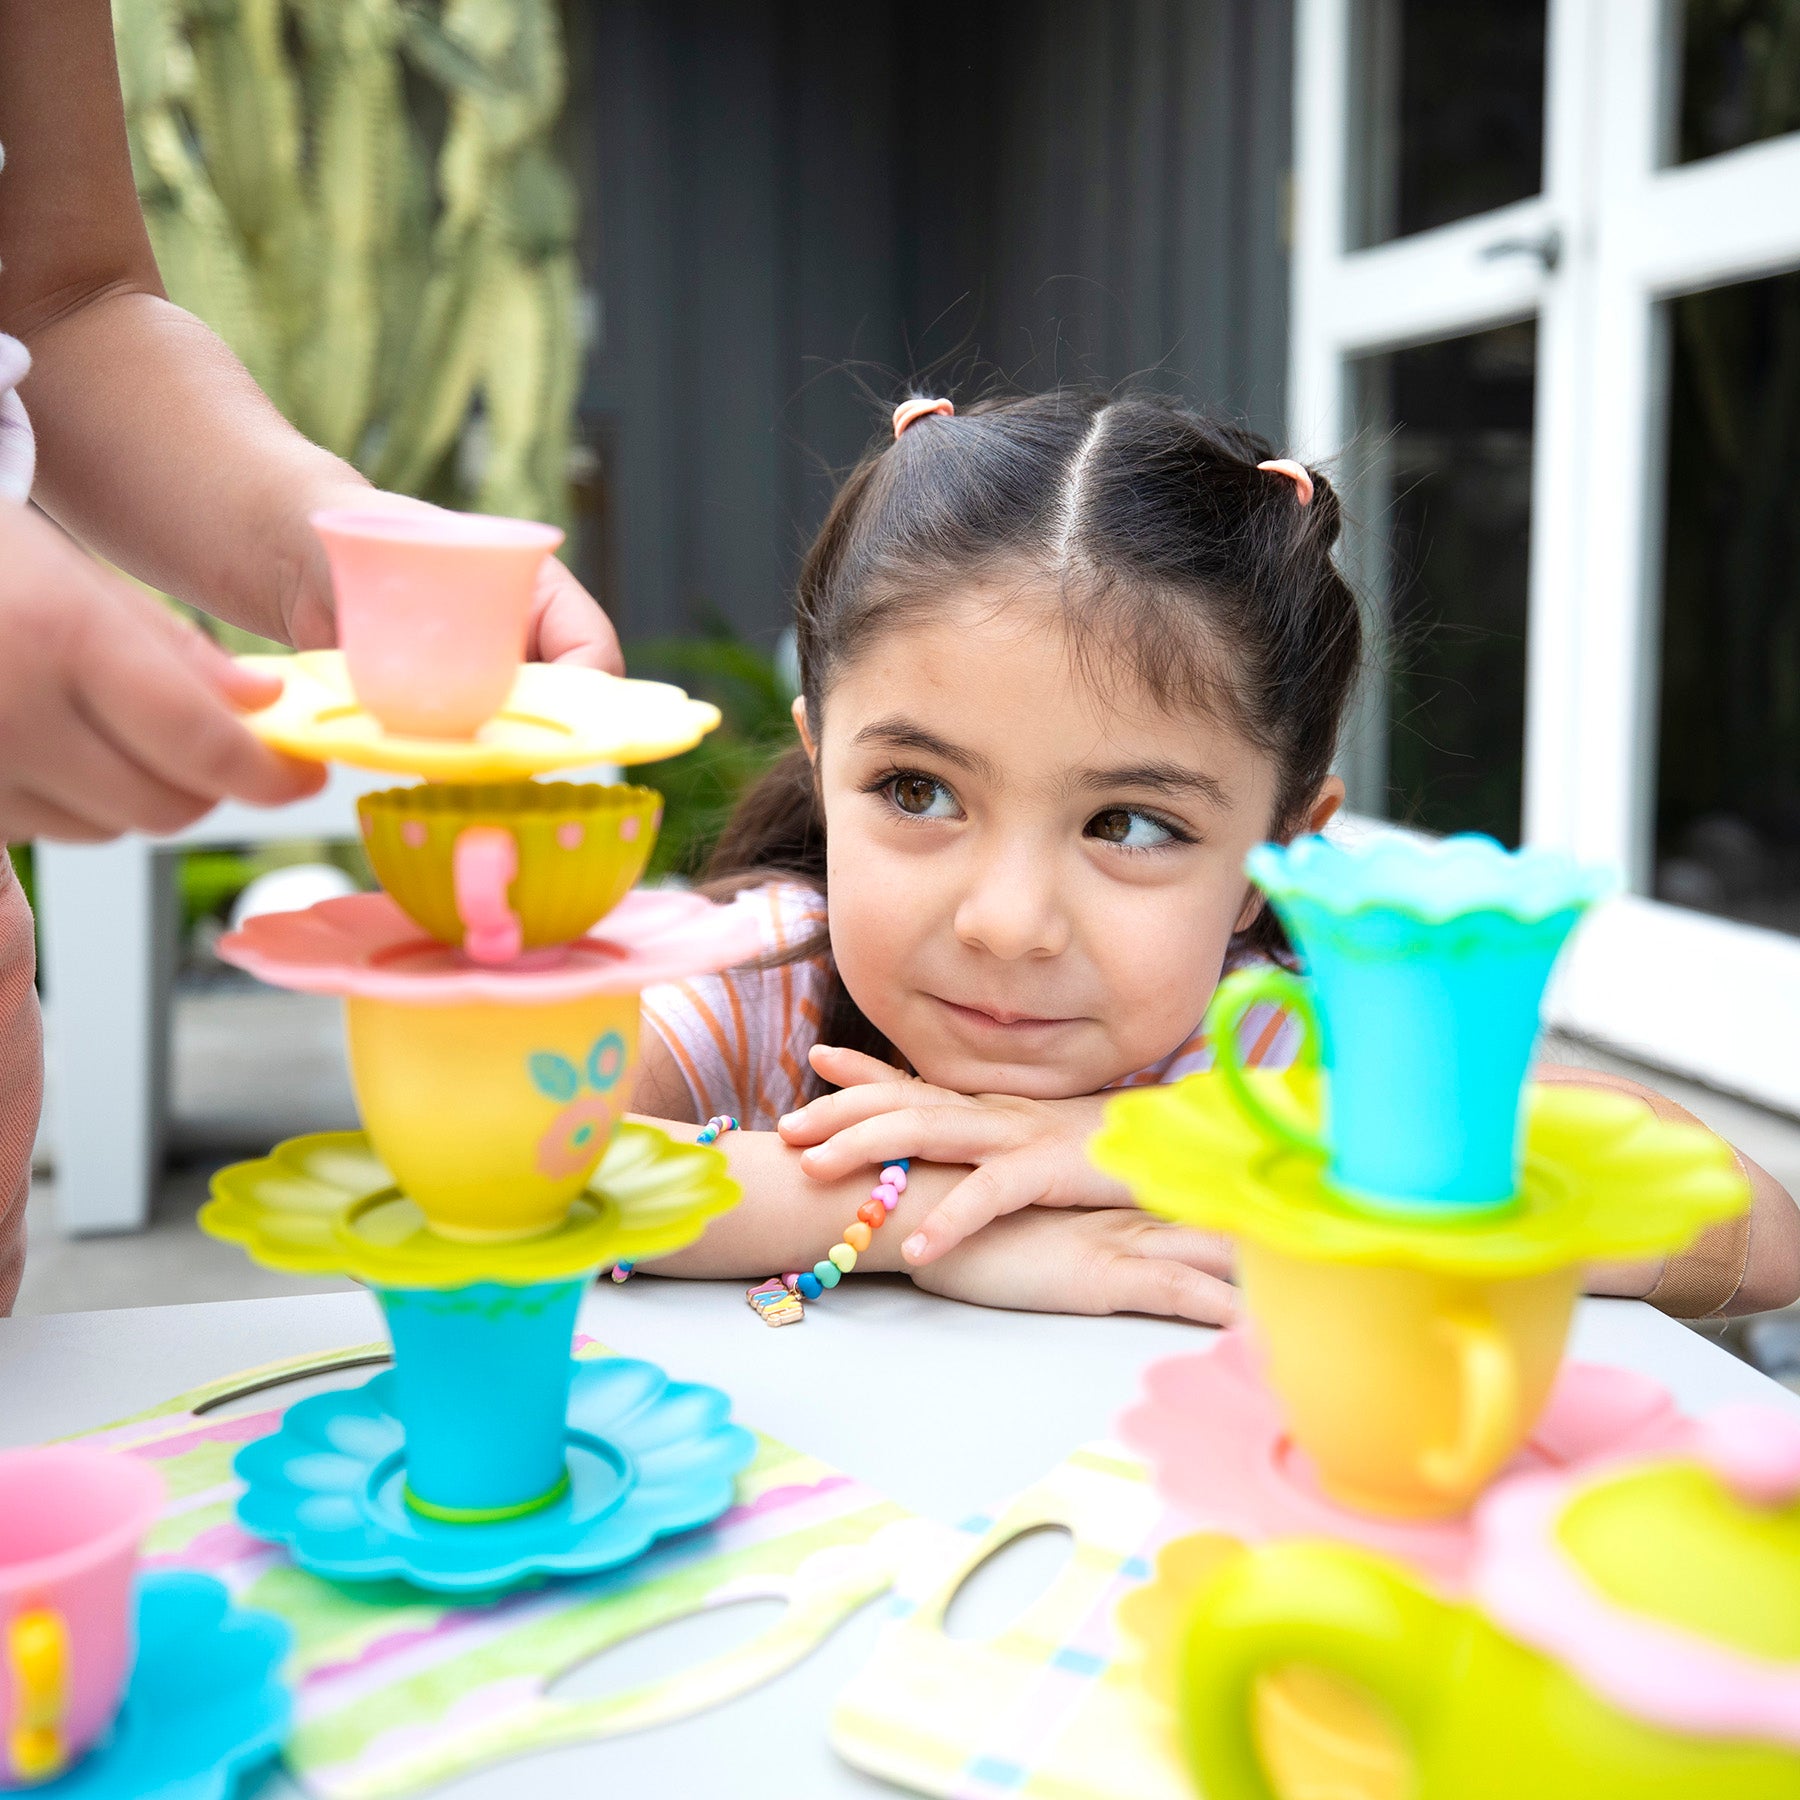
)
(568, 625)
(148, 699)
(1164, 1288)
(89, 778)
(947, 1134)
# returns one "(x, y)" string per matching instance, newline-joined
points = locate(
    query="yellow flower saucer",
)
(1604, 1180)
(325, 1205)
(554, 718)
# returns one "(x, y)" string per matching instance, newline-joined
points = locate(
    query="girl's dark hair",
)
(1168, 546)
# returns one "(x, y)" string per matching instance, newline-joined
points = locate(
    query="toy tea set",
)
(1444, 1563)
(491, 997)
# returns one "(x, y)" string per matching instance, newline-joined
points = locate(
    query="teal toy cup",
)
(1428, 963)
(481, 1379)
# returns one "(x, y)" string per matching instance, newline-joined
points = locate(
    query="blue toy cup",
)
(481, 1380)
(1428, 963)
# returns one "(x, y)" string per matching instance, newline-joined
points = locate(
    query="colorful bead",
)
(622, 1271)
(790, 1282)
(809, 1286)
(827, 1273)
(857, 1236)
(888, 1195)
(843, 1256)
(873, 1214)
(778, 1300)
(894, 1176)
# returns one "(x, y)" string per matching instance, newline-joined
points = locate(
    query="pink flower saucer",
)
(1212, 1434)
(363, 945)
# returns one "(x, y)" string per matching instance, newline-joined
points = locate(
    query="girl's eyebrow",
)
(899, 734)
(1160, 778)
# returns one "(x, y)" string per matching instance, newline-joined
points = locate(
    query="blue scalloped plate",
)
(647, 1457)
(205, 1704)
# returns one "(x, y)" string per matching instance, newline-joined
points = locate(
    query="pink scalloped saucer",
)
(1213, 1436)
(364, 945)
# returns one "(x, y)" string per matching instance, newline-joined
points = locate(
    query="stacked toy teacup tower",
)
(491, 997)
(1412, 1217)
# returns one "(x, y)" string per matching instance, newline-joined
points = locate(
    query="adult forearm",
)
(158, 451)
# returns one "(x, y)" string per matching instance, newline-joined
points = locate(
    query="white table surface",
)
(948, 1409)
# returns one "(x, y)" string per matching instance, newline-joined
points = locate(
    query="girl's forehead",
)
(998, 674)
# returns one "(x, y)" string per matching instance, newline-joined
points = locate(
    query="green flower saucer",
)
(325, 1205)
(1604, 1180)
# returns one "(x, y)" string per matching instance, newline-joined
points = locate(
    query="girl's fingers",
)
(568, 625)
(814, 1122)
(941, 1134)
(1007, 1184)
(1164, 1288)
(26, 815)
(853, 1068)
(91, 779)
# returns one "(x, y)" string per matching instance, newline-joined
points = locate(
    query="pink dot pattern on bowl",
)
(413, 834)
(570, 833)
(629, 826)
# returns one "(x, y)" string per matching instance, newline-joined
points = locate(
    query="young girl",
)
(1064, 660)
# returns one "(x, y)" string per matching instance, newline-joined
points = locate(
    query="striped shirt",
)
(741, 1038)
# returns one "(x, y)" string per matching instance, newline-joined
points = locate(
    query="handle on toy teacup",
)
(1235, 996)
(1344, 1611)
(37, 1659)
(1487, 1425)
(484, 865)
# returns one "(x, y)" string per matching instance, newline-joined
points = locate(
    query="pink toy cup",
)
(432, 611)
(71, 1521)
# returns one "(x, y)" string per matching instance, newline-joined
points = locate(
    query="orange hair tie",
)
(1296, 473)
(909, 410)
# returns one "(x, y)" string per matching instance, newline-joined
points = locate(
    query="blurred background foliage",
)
(362, 198)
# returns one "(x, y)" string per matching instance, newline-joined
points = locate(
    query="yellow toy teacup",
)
(1409, 1389)
(506, 867)
(492, 1116)
(1631, 1636)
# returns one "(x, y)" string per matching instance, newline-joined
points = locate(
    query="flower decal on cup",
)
(576, 1136)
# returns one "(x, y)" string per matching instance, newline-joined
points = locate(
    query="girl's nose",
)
(1012, 908)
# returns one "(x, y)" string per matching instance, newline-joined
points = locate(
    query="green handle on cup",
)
(1235, 996)
(1324, 1606)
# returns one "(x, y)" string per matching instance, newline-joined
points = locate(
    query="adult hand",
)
(1089, 1262)
(1025, 1152)
(567, 625)
(115, 714)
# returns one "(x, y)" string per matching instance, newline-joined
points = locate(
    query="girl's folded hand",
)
(115, 714)
(1025, 1152)
(1089, 1262)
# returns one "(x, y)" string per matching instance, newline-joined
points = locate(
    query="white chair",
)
(107, 926)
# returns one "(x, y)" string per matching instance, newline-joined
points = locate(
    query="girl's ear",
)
(812, 749)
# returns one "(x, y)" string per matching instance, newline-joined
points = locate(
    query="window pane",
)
(1443, 485)
(1447, 110)
(1728, 762)
(1740, 74)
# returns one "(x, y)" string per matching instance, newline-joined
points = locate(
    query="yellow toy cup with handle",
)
(1409, 1389)
(493, 1115)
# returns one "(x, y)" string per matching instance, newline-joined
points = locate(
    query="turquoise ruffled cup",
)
(481, 1378)
(1428, 962)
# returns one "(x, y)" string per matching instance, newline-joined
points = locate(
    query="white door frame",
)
(1708, 997)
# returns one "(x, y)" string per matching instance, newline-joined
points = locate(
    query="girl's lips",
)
(982, 1019)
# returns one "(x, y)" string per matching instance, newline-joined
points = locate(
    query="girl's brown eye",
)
(1114, 826)
(915, 793)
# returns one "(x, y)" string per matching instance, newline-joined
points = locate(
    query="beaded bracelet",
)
(780, 1299)
(709, 1133)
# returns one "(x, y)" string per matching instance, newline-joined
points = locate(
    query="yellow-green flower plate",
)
(326, 1205)
(1604, 1180)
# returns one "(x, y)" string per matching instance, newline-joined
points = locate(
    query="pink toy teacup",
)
(71, 1520)
(433, 608)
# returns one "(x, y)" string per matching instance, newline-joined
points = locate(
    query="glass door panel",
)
(1728, 752)
(1441, 499)
(1738, 75)
(1446, 109)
